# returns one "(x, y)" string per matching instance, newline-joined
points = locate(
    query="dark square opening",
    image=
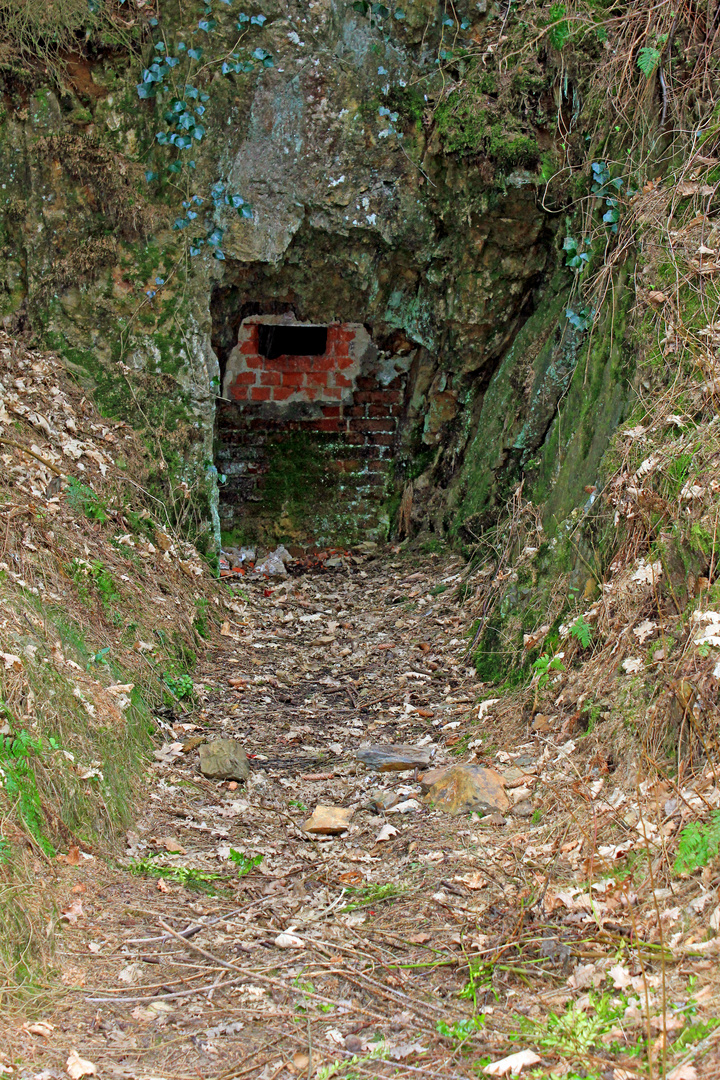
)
(284, 340)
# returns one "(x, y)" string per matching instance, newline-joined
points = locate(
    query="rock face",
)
(466, 789)
(224, 759)
(404, 223)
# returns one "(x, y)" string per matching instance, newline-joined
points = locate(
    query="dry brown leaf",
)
(40, 1027)
(72, 858)
(73, 912)
(75, 1066)
(172, 845)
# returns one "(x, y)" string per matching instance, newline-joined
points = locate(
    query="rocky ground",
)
(232, 942)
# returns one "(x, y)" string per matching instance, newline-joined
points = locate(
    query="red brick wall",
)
(338, 393)
(291, 379)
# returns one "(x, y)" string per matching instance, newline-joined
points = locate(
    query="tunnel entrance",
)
(294, 340)
(306, 431)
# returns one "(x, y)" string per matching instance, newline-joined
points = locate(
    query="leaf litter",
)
(230, 940)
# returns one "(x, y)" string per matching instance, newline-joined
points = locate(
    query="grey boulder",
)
(224, 759)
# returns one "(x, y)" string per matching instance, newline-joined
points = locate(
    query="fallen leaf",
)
(289, 941)
(420, 939)
(73, 913)
(513, 1064)
(473, 881)
(632, 664)
(172, 845)
(12, 662)
(76, 1066)
(620, 976)
(41, 1027)
(386, 833)
(683, 1072)
(72, 858)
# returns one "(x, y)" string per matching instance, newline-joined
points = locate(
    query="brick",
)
(328, 425)
(333, 392)
(362, 397)
(339, 350)
(355, 411)
(293, 378)
(255, 362)
(374, 427)
(282, 393)
(316, 378)
(340, 380)
(344, 362)
(238, 393)
(270, 378)
(291, 363)
(309, 393)
(383, 440)
(331, 410)
(320, 363)
(245, 378)
(366, 382)
(354, 438)
(248, 347)
(379, 410)
(260, 393)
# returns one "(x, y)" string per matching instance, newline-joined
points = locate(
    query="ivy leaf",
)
(246, 211)
(175, 167)
(172, 61)
(218, 254)
(146, 90)
(258, 20)
(195, 54)
(150, 176)
(198, 132)
(180, 223)
(208, 25)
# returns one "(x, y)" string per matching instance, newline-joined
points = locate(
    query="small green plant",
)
(559, 32)
(372, 894)
(183, 875)
(480, 980)
(17, 780)
(245, 863)
(648, 60)
(82, 497)
(576, 259)
(575, 1032)
(181, 686)
(200, 622)
(698, 845)
(581, 631)
(544, 665)
(461, 1029)
(298, 805)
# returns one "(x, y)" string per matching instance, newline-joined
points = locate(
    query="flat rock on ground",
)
(463, 789)
(224, 759)
(394, 758)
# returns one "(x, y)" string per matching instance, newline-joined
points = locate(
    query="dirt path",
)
(240, 946)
